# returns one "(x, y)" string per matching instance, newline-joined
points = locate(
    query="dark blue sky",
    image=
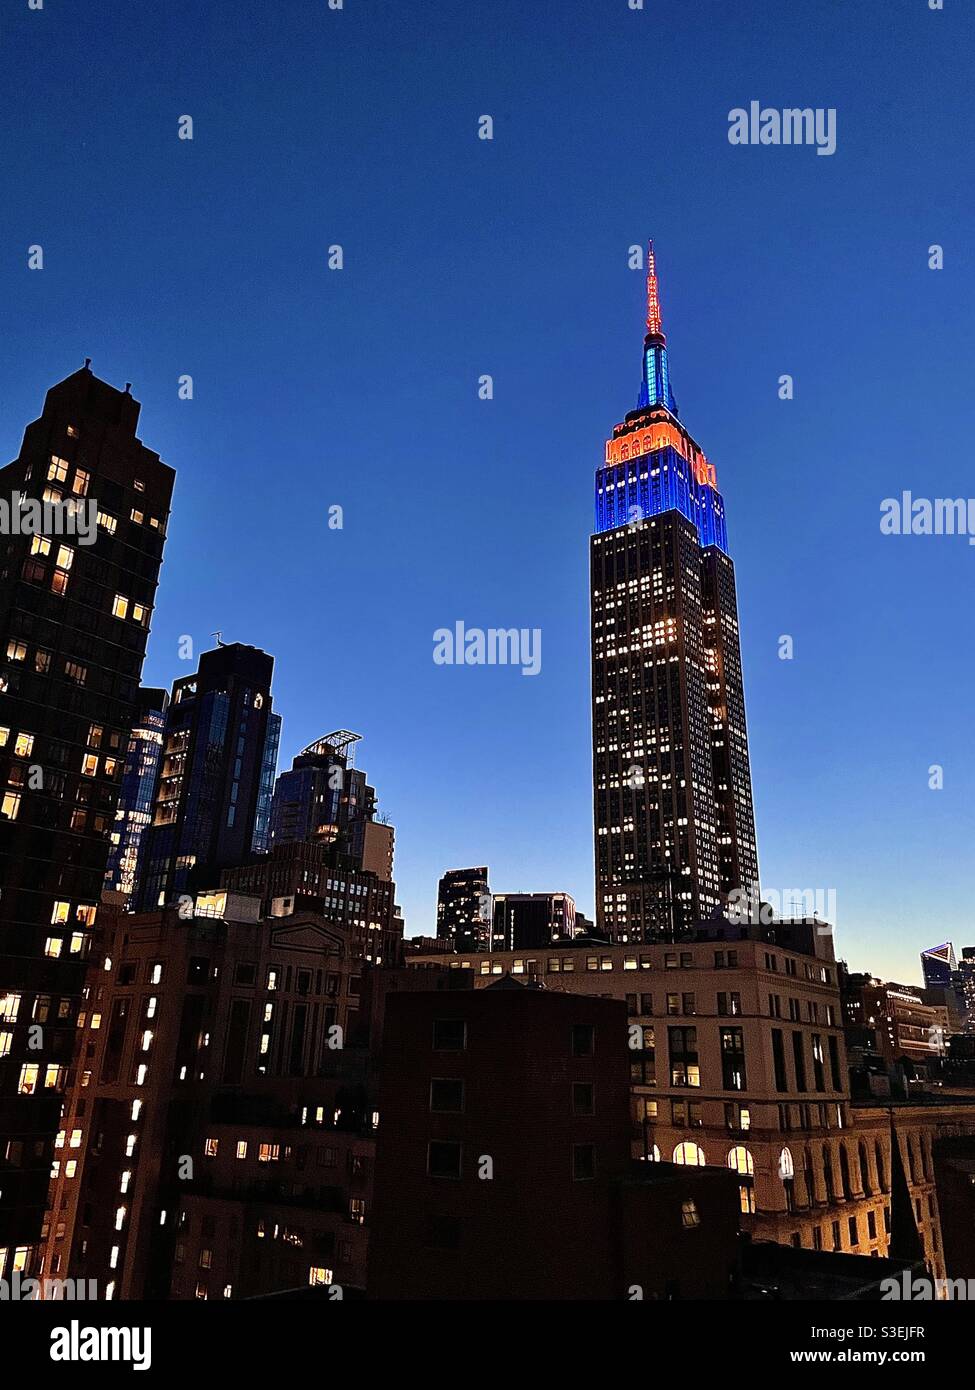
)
(464, 257)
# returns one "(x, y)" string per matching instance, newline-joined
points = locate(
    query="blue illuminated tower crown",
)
(652, 464)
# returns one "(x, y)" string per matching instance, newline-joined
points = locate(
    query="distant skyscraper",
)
(525, 921)
(74, 619)
(674, 824)
(938, 964)
(324, 797)
(464, 909)
(137, 794)
(219, 758)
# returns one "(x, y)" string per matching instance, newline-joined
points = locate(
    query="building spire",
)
(654, 327)
(655, 383)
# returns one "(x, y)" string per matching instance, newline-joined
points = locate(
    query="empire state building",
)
(672, 800)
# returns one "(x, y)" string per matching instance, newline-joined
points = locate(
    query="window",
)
(241, 1148)
(318, 1274)
(741, 1161)
(444, 1158)
(449, 1035)
(583, 1102)
(583, 1039)
(211, 1148)
(684, 1068)
(81, 481)
(23, 745)
(690, 1154)
(107, 522)
(74, 671)
(120, 606)
(733, 1059)
(57, 470)
(10, 806)
(689, 1215)
(583, 1162)
(16, 651)
(446, 1096)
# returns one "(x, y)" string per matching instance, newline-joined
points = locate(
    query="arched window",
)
(654, 1154)
(808, 1176)
(881, 1179)
(690, 1154)
(787, 1172)
(828, 1174)
(910, 1157)
(865, 1171)
(741, 1161)
(845, 1172)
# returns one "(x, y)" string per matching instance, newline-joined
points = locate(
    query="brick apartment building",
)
(216, 1139)
(503, 1167)
(737, 1060)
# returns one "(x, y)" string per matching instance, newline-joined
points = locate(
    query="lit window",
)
(74, 1141)
(52, 946)
(65, 557)
(126, 1179)
(318, 1274)
(16, 651)
(119, 1218)
(57, 469)
(40, 545)
(77, 943)
(136, 1109)
(108, 522)
(241, 1148)
(59, 912)
(6, 1040)
(24, 745)
(4, 736)
(71, 1168)
(81, 481)
(53, 1077)
(130, 1144)
(28, 1079)
(690, 1154)
(89, 764)
(211, 1147)
(136, 516)
(76, 672)
(138, 484)
(120, 606)
(689, 1214)
(138, 613)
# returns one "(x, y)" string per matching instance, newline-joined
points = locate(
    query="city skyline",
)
(271, 460)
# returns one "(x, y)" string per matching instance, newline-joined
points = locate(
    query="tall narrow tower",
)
(673, 818)
(75, 608)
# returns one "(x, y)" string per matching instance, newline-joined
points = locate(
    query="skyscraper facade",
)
(324, 796)
(220, 752)
(75, 605)
(673, 817)
(137, 794)
(464, 908)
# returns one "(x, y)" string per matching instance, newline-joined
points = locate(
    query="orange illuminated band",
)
(660, 436)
